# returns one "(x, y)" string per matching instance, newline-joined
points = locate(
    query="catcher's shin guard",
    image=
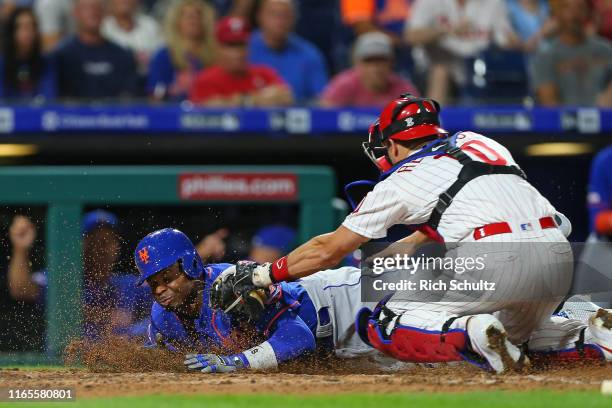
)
(410, 344)
(582, 351)
(596, 345)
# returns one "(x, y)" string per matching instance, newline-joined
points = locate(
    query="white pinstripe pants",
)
(532, 273)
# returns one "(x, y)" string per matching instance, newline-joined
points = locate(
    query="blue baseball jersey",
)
(288, 323)
(600, 184)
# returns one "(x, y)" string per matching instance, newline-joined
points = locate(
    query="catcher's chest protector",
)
(470, 170)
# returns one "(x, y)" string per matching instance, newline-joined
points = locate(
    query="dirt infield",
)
(458, 378)
(118, 367)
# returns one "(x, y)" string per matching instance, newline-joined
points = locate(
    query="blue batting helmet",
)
(161, 249)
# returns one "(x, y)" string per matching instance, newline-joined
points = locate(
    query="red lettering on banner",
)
(237, 186)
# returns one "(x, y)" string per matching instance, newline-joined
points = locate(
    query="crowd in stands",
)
(329, 53)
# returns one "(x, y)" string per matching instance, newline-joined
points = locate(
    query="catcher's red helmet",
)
(409, 117)
(405, 118)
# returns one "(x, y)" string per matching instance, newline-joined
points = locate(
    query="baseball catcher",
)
(466, 191)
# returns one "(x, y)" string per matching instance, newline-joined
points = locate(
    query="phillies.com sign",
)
(238, 186)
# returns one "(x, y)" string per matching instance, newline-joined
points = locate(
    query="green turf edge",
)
(495, 399)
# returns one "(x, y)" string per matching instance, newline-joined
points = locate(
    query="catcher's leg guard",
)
(580, 352)
(408, 343)
(361, 324)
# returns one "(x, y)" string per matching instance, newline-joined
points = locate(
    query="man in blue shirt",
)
(600, 193)
(90, 66)
(299, 62)
(593, 274)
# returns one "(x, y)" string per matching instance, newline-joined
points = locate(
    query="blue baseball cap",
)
(279, 237)
(98, 218)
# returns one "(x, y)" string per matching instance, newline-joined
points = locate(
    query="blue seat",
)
(496, 76)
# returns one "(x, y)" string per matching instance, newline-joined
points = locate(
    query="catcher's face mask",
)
(376, 150)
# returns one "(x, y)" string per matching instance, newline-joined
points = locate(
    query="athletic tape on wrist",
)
(279, 271)
(261, 357)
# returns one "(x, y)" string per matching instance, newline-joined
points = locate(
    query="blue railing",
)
(179, 119)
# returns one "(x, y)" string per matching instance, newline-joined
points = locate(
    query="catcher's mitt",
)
(234, 292)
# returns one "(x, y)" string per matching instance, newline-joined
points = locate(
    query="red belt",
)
(504, 228)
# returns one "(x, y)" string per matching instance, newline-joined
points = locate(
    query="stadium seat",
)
(496, 76)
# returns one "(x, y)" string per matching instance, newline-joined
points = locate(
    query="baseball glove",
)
(234, 292)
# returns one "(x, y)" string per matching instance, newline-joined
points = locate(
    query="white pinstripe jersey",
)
(409, 195)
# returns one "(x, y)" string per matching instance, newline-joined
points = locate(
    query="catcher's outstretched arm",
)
(321, 252)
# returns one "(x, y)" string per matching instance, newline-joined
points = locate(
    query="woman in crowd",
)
(25, 72)
(190, 47)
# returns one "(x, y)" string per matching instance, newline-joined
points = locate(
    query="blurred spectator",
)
(235, 82)
(56, 21)
(574, 68)
(314, 14)
(600, 194)
(25, 72)
(239, 8)
(236, 8)
(89, 66)
(388, 16)
(7, 7)
(371, 82)
(212, 247)
(450, 31)
(376, 15)
(190, 47)
(603, 18)
(129, 28)
(298, 62)
(111, 301)
(531, 22)
(593, 268)
(271, 242)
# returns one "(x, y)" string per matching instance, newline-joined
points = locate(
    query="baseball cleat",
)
(489, 339)
(511, 356)
(600, 325)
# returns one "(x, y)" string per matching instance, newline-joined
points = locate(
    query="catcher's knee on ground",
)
(477, 339)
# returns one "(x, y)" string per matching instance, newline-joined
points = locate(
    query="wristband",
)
(240, 360)
(279, 271)
(261, 357)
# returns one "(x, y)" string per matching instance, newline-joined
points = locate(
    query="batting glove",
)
(213, 363)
